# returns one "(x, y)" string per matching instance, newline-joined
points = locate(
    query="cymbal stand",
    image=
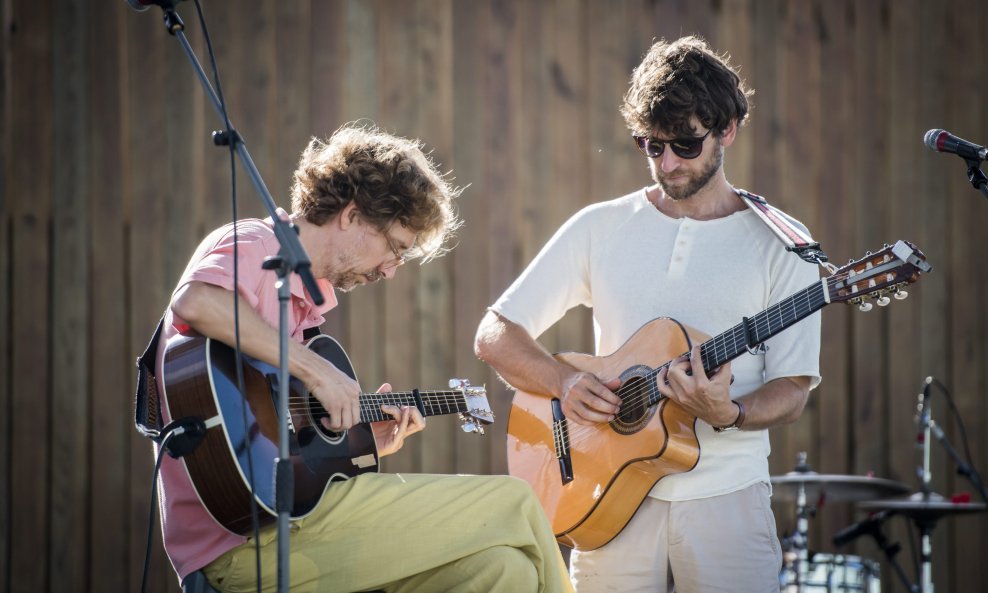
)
(799, 540)
(925, 477)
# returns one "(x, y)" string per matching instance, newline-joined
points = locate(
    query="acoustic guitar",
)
(591, 479)
(237, 458)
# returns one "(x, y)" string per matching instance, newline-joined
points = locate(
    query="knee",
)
(515, 489)
(508, 569)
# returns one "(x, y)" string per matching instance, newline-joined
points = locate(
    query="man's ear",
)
(730, 133)
(348, 216)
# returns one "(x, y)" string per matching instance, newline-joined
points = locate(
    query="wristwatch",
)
(736, 425)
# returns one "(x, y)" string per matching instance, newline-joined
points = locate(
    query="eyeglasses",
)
(400, 258)
(685, 148)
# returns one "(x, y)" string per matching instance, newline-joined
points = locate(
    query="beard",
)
(349, 278)
(695, 181)
(347, 281)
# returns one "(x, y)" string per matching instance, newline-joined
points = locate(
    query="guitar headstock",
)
(877, 275)
(478, 413)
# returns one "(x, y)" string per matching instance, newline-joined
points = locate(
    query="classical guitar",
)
(591, 479)
(200, 380)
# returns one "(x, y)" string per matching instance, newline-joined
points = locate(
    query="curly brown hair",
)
(676, 81)
(390, 179)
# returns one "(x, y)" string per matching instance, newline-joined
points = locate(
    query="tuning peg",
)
(883, 301)
(469, 425)
(865, 306)
(900, 295)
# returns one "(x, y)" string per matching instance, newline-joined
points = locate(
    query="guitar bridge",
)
(560, 438)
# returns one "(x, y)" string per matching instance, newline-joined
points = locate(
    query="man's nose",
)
(388, 271)
(668, 161)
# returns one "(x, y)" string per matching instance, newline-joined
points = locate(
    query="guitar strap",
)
(147, 404)
(795, 239)
(182, 435)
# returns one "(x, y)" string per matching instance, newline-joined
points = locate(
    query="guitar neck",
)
(734, 342)
(434, 403)
(755, 330)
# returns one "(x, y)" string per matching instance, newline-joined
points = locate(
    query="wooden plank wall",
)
(109, 179)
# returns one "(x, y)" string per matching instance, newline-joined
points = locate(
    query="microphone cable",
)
(232, 139)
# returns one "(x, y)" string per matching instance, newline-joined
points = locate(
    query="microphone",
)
(142, 5)
(944, 141)
(868, 526)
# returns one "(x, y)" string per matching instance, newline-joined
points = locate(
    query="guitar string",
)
(763, 321)
(453, 401)
(635, 397)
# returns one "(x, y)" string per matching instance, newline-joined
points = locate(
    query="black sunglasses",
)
(685, 148)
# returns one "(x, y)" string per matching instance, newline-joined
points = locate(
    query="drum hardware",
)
(925, 507)
(808, 571)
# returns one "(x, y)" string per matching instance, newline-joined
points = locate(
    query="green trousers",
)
(404, 533)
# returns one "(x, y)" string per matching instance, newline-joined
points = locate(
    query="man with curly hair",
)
(365, 202)
(686, 247)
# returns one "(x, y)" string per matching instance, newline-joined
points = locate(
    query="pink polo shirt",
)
(192, 538)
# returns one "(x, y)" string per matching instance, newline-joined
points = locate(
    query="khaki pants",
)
(404, 533)
(725, 543)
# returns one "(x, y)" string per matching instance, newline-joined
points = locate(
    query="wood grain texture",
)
(110, 179)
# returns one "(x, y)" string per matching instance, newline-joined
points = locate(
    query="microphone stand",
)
(963, 467)
(890, 551)
(290, 258)
(976, 176)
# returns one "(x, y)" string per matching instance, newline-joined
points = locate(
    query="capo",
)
(752, 344)
(418, 402)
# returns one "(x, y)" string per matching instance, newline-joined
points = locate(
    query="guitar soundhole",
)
(635, 411)
(317, 413)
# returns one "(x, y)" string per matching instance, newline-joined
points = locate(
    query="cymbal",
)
(835, 487)
(917, 508)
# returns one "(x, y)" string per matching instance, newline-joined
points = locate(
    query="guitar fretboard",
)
(734, 342)
(435, 403)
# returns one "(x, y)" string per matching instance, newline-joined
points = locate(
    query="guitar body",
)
(201, 381)
(615, 465)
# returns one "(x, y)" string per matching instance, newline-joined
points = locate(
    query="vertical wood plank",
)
(109, 376)
(147, 193)
(470, 141)
(503, 91)
(870, 444)
(70, 304)
(967, 219)
(569, 127)
(6, 446)
(439, 449)
(799, 97)
(868, 381)
(831, 452)
(397, 58)
(6, 214)
(29, 172)
(734, 36)
(326, 96)
(291, 108)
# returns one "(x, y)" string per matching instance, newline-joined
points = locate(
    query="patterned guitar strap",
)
(795, 239)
